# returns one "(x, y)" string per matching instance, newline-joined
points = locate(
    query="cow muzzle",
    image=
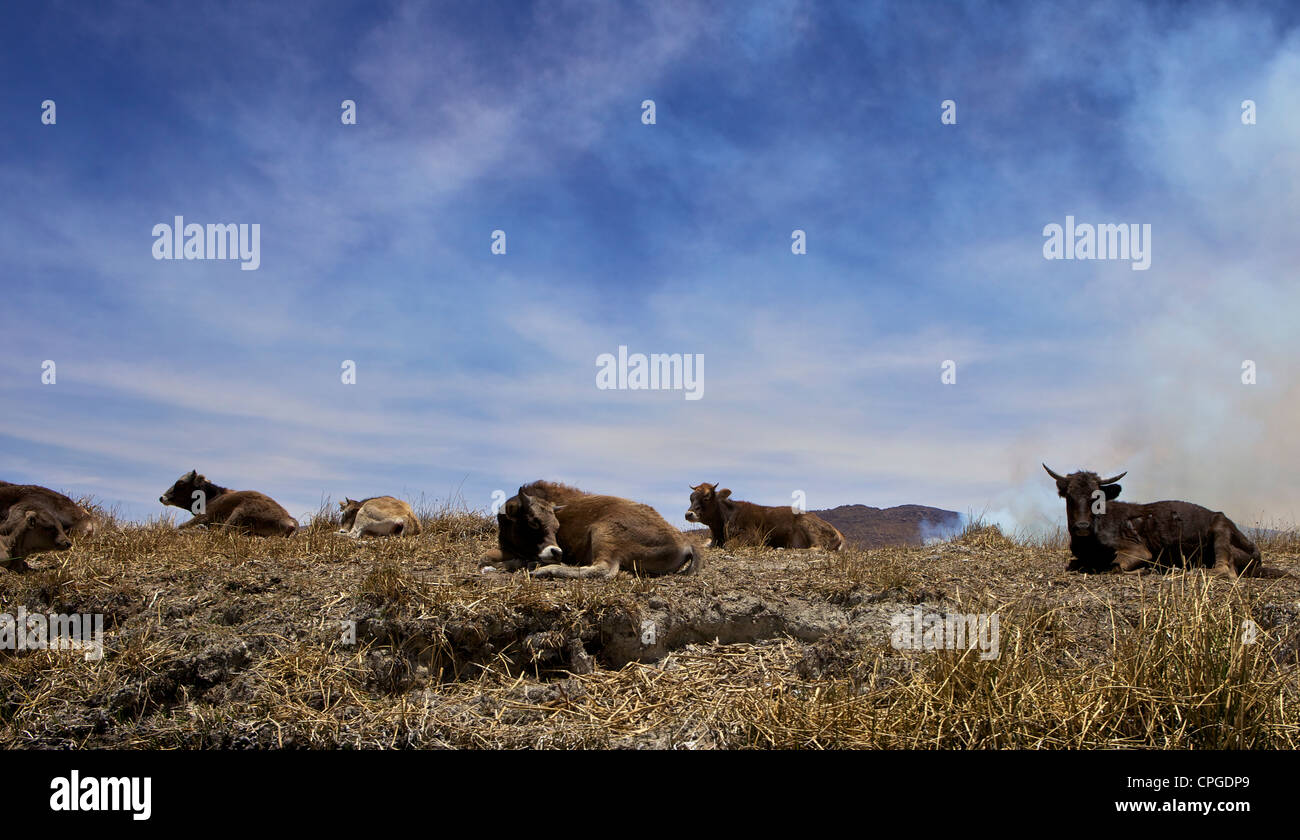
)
(1081, 529)
(690, 516)
(551, 554)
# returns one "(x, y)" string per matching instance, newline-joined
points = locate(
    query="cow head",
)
(1081, 491)
(181, 494)
(526, 529)
(349, 508)
(35, 530)
(706, 503)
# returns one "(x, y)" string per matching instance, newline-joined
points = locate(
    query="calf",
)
(242, 510)
(378, 516)
(598, 535)
(76, 520)
(28, 531)
(777, 527)
(1105, 533)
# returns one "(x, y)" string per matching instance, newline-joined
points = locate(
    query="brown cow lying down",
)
(777, 527)
(76, 520)
(1106, 534)
(598, 535)
(244, 510)
(28, 531)
(378, 516)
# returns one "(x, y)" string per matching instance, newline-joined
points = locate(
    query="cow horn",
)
(1113, 480)
(1054, 475)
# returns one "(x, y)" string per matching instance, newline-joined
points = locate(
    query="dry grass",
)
(220, 640)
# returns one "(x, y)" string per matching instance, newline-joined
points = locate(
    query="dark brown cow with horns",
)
(1105, 533)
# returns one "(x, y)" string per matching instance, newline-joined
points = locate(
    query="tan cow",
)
(76, 520)
(243, 510)
(588, 536)
(777, 527)
(378, 516)
(27, 531)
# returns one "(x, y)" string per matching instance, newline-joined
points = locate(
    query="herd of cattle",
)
(559, 531)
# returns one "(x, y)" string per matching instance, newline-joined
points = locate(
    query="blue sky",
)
(476, 372)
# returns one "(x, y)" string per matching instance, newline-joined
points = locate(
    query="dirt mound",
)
(869, 527)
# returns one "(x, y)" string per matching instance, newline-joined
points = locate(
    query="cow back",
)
(634, 525)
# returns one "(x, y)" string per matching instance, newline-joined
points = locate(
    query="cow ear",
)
(511, 507)
(193, 474)
(343, 505)
(724, 493)
(1111, 490)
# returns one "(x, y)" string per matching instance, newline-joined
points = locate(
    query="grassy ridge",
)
(218, 640)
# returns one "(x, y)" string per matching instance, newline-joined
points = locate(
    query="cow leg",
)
(1249, 563)
(1223, 559)
(604, 560)
(497, 560)
(194, 523)
(1131, 556)
(1245, 563)
(1246, 555)
(1226, 570)
(665, 560)
(240, 521)
(604, 569)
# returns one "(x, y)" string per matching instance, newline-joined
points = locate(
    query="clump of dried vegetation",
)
(219, 640)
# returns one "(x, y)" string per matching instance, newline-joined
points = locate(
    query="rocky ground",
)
(217, 640)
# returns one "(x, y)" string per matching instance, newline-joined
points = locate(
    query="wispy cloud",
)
(822, 371)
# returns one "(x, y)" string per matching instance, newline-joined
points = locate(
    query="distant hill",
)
(870, 527)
